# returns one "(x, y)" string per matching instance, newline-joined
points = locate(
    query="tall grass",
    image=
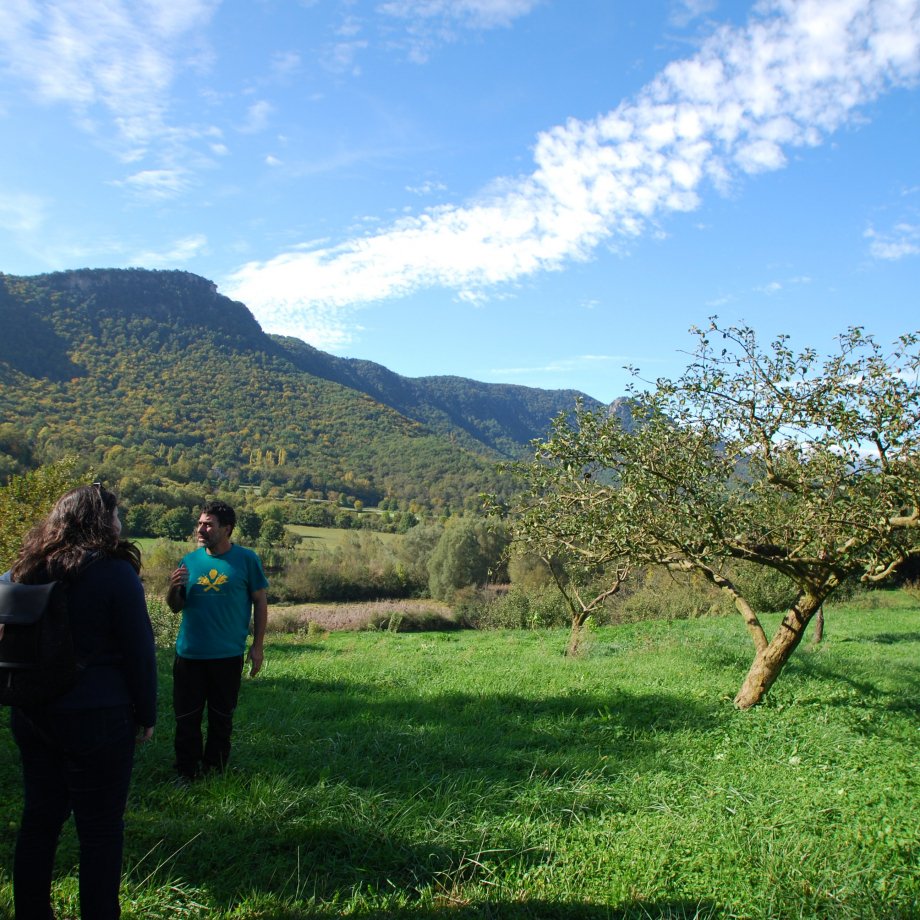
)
(481, 774)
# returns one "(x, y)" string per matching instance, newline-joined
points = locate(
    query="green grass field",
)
(310, 538)
(328, 538)
(468, 775)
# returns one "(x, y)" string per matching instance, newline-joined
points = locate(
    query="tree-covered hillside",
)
(503, 417)
(153, 375)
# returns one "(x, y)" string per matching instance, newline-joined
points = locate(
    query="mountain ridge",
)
(163, 371)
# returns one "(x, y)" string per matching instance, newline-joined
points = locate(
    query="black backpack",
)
(37, 659)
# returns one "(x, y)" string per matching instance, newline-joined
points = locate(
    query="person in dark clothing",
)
(77, 751)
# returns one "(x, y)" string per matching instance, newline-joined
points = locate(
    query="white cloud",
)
(799, 70)
(178, 253)
(685, 11)
(473, 14)
(21, 213)
(428, 23)
(115, 57)
(901, 241)
(342, 56)
(156, 184)
(774, 287)
(560, 365)
(257, 116)
(428, 187)
(286, 64)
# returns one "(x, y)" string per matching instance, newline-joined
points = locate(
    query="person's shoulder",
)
(108, 568)
(243, 551)
(111, 564)
(194, 555)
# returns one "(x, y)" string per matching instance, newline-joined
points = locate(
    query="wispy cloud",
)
(416, 28)
(180, 252)
(899, 242)
(257, 116)
(797, 72)
(21, 213)
(475, 14)
(684, 12)
(566, 366)
(156, 184)
(113, 61)
(776, 286)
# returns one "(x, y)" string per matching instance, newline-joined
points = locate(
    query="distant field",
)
(311, 538)
(483, 776)
(147, 543)
(331, 537)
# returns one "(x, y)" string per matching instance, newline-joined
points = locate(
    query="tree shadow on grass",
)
(885, 638)
(371, 791)
(535, 909)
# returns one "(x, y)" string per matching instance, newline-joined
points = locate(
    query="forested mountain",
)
(503, 417)
(154, 376)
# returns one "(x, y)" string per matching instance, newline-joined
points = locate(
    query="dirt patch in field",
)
(402, 616)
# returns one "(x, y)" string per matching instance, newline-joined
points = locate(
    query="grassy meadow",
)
(330, 538)
(310, 539)
(481, 774)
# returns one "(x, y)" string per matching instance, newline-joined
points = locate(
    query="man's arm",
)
(175, 596)
(259, 622)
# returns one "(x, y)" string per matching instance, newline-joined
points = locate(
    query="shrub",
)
(361, 569)
(529, 571)
(158, 564)
(765, 589)
(466, 554)
(416, 621)
(517, 608)
(659, 595)
(165, 623)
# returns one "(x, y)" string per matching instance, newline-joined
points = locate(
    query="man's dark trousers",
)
(200, 682)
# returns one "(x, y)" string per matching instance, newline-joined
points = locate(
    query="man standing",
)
(218, 588)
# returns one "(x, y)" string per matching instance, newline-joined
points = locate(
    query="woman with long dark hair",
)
(78, 750)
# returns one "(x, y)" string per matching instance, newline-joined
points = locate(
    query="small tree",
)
(465, 555)
(249, 524)
(175, 524)
(25, 499)
(769, 457)
(272, 533)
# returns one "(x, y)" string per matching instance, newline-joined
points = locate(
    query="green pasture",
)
(310, 539)
(483, 775)
(330, 538)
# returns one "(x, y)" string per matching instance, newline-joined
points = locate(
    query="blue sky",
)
(520, 191)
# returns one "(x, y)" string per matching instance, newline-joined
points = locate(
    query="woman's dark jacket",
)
(113, 639)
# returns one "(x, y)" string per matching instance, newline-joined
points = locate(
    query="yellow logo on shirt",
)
(212, 581)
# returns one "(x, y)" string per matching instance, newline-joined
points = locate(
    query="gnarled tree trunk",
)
(817, 634)
(769, 661)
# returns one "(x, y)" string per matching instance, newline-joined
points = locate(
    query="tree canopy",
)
(806, 465)
(25, 499)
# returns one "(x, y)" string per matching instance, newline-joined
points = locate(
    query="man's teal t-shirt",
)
(218, 602)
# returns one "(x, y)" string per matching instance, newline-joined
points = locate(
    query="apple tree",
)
(807, 465)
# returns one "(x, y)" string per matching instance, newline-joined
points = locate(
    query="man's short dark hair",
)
(225, 515)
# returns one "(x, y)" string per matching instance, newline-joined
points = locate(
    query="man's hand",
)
(255, 657)
(175, 595)
(144, 734)
(179, 577)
